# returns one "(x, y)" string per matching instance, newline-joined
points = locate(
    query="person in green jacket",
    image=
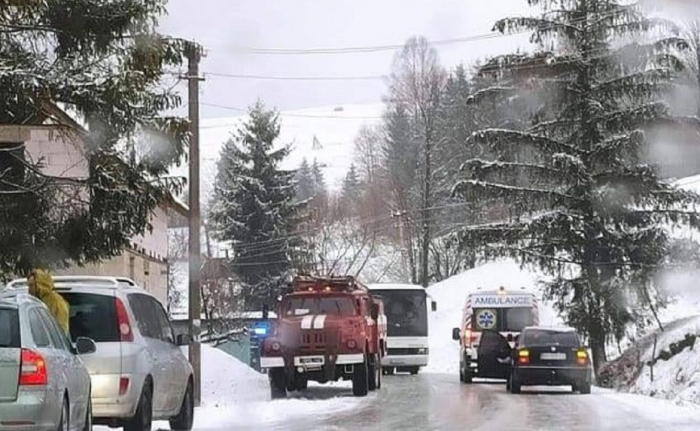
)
(41, 286)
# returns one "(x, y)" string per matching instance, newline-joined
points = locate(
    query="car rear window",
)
(92, 316)
(9, 328)
(543, 337)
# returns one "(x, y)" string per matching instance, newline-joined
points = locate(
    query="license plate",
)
(312, 361)
(553, 356)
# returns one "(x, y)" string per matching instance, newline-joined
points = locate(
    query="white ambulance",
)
(491, 321)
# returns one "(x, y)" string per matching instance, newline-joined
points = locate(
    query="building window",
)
(146, 267)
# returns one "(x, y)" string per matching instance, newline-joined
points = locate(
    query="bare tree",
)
(416, 84)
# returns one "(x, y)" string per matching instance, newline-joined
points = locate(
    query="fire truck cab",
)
(491, 322)
(327, 328)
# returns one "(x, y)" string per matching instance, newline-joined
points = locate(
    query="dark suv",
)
(550, 356)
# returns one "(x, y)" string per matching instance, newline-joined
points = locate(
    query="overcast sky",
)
(223, 26)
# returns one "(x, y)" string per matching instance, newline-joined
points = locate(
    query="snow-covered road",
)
(441, 402)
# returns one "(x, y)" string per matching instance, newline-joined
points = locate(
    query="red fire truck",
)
(326, 329)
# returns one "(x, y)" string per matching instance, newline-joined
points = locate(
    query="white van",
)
(491, 322)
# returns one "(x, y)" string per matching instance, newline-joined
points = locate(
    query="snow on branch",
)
(511, 193)
(500, 138)
(541, 27)
(480, 169)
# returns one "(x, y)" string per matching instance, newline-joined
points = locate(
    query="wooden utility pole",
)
(194, 54)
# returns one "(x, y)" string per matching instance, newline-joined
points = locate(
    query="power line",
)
(362, 49)
(282, 114)
(296, 78)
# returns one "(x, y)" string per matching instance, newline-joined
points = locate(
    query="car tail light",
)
(582, 357)
(33, 370)
(125, 332)
(123, 385)
(523, 356)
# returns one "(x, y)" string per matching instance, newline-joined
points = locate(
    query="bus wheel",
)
(375, 373)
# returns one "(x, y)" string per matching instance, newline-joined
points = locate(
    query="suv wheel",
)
(144, 412)
(63, 422)
(185, 418)
(360, 381)
(88, 417)
(278, 383)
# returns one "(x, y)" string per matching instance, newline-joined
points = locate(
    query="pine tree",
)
(319, 179)
(305, 182)
(598, 214)
(253, 207)
(104, 62)
(350, 193)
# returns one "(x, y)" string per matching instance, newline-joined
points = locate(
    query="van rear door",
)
(10, 354)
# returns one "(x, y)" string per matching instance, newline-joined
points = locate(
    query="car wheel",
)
(278, 383)
(360, 381)
(185, 418)
(584, 387)
(515, 386)
(144, 412)
(88, 416)
(64, 420)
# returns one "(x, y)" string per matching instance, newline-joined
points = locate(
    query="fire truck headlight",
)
(352, 344)
(275, 346)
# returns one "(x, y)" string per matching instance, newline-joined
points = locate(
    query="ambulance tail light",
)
(523, 357)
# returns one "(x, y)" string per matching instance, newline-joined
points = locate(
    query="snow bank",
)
(451, 294)
(676, 379)
(234, 396)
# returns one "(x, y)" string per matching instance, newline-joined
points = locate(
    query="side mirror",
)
(374, 312)
(184, 340)
(433, 306)
(455, 334)
(85, 346)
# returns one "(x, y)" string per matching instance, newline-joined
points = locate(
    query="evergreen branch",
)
(491, 93)
(480, 169)
(541, 26)
(500, 138)
(501, 191)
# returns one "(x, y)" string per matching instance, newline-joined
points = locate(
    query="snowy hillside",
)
(450, 296)
(676, 371)
(324, 133)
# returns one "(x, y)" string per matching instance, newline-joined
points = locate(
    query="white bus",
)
(491, 322)
(406, 309)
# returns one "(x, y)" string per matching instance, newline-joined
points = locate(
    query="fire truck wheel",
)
(278, 387)
(360, 382)
(375, 374)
